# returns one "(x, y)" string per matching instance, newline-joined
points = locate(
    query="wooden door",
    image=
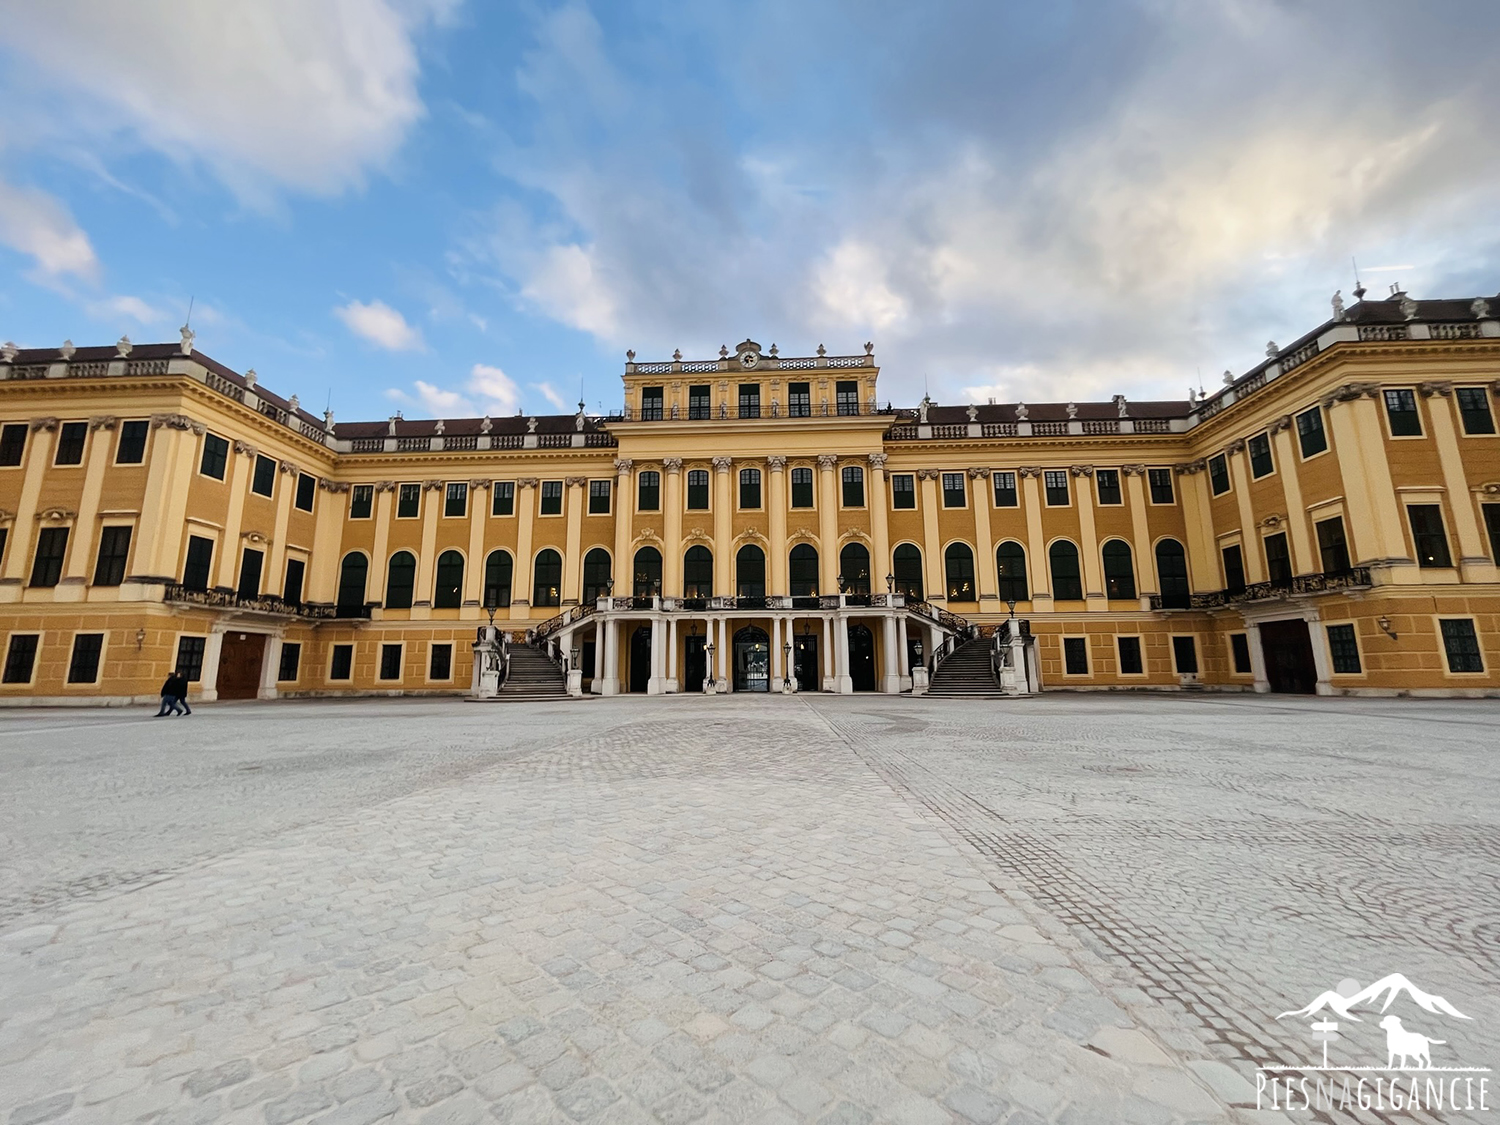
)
(1287, 648)
(240, 662)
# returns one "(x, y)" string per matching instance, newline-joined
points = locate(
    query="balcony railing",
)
(753, 603)
(1300, 585)
(732, 412)
(265, 603)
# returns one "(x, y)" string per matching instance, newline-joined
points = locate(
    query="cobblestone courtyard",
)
(1073, 909)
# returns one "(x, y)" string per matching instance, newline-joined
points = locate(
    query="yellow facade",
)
(1163, 545)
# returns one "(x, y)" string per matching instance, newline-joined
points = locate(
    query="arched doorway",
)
(803, 572)
(647, 578)
(854, 569)
(861, 658)
(352, 573)
(597, 578)
(698, 572)
(805, 661)
(640, 659)
(750, 572)
(908, 571)
(752, 660)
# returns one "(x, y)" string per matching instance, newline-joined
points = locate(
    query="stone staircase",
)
(966, 673)
(532, 677)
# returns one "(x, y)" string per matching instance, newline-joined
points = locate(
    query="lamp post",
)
(708, 679)
(1012, 603)
(890, 583)
(786, 666)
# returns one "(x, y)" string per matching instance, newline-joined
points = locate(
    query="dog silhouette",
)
(1406, 1044)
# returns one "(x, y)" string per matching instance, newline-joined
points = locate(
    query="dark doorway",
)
(694, 663)
(862, 658)
(1287, 648)
(805, 662)
(587, 656)
(239, 665)
(640, 659)
(752, 660)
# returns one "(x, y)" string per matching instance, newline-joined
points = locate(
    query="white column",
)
(1322, 659)
(611, 633)
(270, 667)
(827, 642)
(1257, 657)
(775, 653)
(890, 673)
(208, 680)
(672, 683)
(654, 684)
(844, 681)
(724, 684)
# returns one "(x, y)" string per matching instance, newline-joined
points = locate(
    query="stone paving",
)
(1067, 909)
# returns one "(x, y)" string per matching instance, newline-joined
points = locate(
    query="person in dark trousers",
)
(174, 696)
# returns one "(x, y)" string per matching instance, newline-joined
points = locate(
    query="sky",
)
(448, 207)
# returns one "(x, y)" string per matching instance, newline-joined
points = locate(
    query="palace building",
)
(1327, 522)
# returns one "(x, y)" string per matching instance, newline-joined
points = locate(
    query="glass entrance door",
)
(752, 660)
(805, 661)
(694, 663)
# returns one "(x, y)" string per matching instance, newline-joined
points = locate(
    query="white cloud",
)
(127, 306)
(380, 324)
(299, 94)
(494, 389)
(565, 282)
(488, 390)
(549, 392)
(37, 225)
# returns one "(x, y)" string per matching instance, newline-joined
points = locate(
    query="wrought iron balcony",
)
(1299, 585)
(265, 603)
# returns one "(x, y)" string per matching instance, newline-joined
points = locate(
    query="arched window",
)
(958, 566)
(646, 579)
(352, 573)
(400, 580)
(698, 572)
(854, 569)
(1119, 573)
(546, 587)
(498, 569)
(750, 572)
(1010, 566)
(448, 590)
(804, 570)
(1065, 581)
(907, 568)
(1172, 573)
(596, 575)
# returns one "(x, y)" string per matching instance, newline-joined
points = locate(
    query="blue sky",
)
(448, 207)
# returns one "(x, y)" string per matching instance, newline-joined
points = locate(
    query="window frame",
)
(6, 679)
(811, 484)
(362, 493)
(653, 406)
(1224, 570)
(1234, 663)
(344, 648)
(910, 490)
(1463, 415)
(961, 490)
(700, 406)
(269, 464)
(1072, 642)
(292, 649)
(1414, 412)
(1215, 475)
(245, 569)
(846, 397)
(403, 490)
(188, 561)
(641, 485)
(286, 580)
(1121, 592)
(1006, 584)
(799, 402)
(7, 430)
(502, 490)
(1048, 476)
(122, 558)
(1262, 461)
(432, 651)
(54, 559)
(706, 486)
(1140, 654)
(1192, 644)
(1443, 636)
(120, 446)
(198, 644)
(98, 658)
(386, 649)
(410, 591)
(220, 456)
(1444, 561)
(1117, 490)
(549, 490)
(1151, 488)
(749, 404)
(1052, 576)
(1303, 434)
(66, 431)
(749, 478)
(553, 598)
(852, 477)
(455, 491)
(455, 600)
(1336, 648)
(307, 489)
(1325, 548)
(997, 487)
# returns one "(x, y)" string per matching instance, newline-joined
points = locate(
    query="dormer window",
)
(652, 399)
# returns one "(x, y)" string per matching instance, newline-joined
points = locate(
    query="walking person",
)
(174, 696)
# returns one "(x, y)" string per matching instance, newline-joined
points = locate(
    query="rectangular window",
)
(1185, 655)
(955, 495)
(1005, 490)
(504, 502)
(291, 589)
(215, 456)
(291, 662)
(1311, 437)
(1056, 485)
(1239, 652)
(700, 400)
(648, 491)
(799, 400)
(749, 488)
(390, 662)
(456, 500)
(4, 535)
(1278, 560)
(1491, 524)
(599, 497)
(341, 666)
(263, 477)
(440, 662)
(1234, 569)
(1428, 536)
(307, 488)
(697, 491)
(749, 400)
(1260, 456)
(1076, 656)
(1333, 548)
(1130, 656)
(114, 550)
(854, 486)
(408, 501)
(12, 443)
(1218, 475)
(652, 403)
(903, 490)
(1474, 410)
(1401, 412)
(132, 448)
(51, 546)
(1160, 481)
(83, 668)
(1461, 644)
(251, 562)
(20, 658)
(552, 491)
(361, 501)
(1108, 483)
(200, 558)
(846, 395)
(190, 658)
(70, 440)
(802, 487)
(1344, 649)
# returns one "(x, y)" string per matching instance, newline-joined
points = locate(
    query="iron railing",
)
(1299, 585)
(264, 603)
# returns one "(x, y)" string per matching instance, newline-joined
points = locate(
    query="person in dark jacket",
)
(174, 696)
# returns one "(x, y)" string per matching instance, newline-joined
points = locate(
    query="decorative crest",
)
(1272, 351)
(8, 351)
(1023, 412)
(67, 350)
(122, 346)
(1072, 410)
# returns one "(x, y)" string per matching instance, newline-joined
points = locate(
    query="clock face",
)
(748, 360)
